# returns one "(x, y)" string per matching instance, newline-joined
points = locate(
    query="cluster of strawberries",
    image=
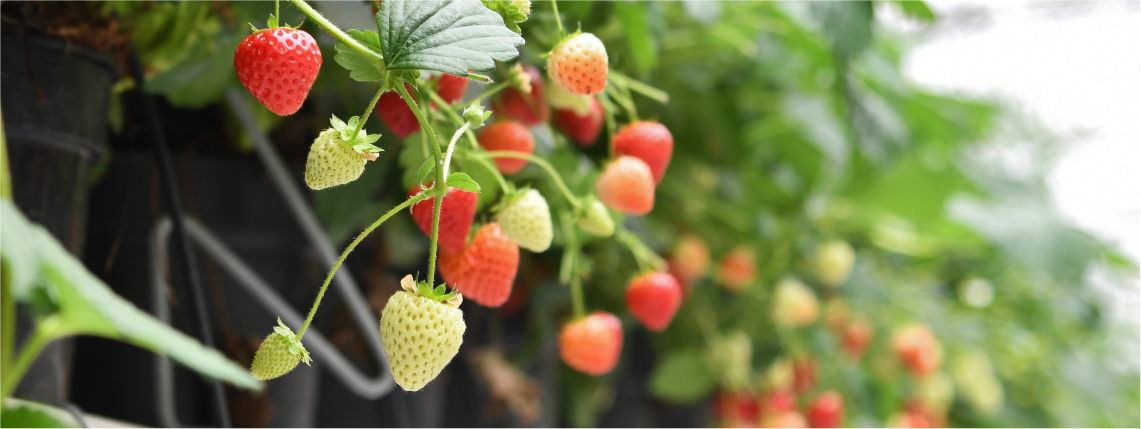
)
(780, 406)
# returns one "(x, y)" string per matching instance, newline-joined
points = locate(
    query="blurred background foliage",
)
(793, 127)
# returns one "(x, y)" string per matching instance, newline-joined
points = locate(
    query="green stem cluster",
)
(440, 188)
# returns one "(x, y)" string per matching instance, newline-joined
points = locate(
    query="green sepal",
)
(475, 115)
(363, 143)
(440, 293)
(295, 346)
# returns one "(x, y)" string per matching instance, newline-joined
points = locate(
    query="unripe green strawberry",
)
(834, 263)
(278, 354)
(596, 219)
(794, 304)
(332, 162)
(422, 329)
(579, 65)
(730, 357)
(527, 220)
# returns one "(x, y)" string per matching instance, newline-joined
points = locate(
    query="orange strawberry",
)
(508, 135)
(592, 344)
(627, 185)
(485, 270)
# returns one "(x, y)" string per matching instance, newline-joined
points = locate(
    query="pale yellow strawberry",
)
(421, 334)
(527, 220)
(579, 65)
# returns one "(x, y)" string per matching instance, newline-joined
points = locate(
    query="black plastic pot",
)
(55, 100)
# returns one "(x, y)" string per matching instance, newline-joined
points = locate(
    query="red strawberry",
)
(777, 401)
(485, 270)
(396, 114)
(579, 65)
(804, 374)
(583, 130)
(508, 135)
(626, 185)
(592, 344)
(827, 410)
(735, 406)
(451, 88)
(530, 109)
(456, 214)
(278, 66)
(653, 299)
(856, 337)
(649, 141)
(918, 349)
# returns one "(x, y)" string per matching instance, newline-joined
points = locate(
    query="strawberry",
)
(626, 185)
(485, 270)
(527, 220)
(730, 357)
(508, 135)
(691, 257)
(278, 354)
(804, 374)
(834, 263)
(582, 128)
(332, 161)
(827, 410)
(456, 214)
(396, 114)
(579, 64)
(451, 88)
(592, 344)
(918, 349)
(735, 406)
(653, 299)
(777, 401)
(595, 219)
(528, 108)
(278, 66)
(856, 337)
(737, 269)
(649, 141)
(421, 329)
(794, 304)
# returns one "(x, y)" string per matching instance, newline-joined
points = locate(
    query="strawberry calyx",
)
(439, 293)
(272, 23)
(363, 143)
(295, 346)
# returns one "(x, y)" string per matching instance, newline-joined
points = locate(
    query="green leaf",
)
(87, 306)
(917, 10)
(449, 37)
(425, 169)
(33, 415)
(463, 181)
(360, 68)
(682, 376)
(482, 173)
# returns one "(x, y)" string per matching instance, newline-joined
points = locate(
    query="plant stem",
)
(367, 113)
(328, 279)
(611, 126)
(5, 175)
(568, 272)
(440, 190)
(277, 10)
(542, 163)
(624, 100)
(7, 326)
(341, 36)
(494, 171)
(647, 260)
(558, 20)
(491, 91)
(452, 146)
(577, 304)
(45, 332)
(639, 87)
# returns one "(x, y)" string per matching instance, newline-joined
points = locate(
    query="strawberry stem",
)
(439, 194)
(328, 279)
(341, 36)
(568, 272)
(640, 87)
(367, 113)
(541, 163)
(558, 20)
(646, 259)
(608, 109)
(46, 331)
(452, 146)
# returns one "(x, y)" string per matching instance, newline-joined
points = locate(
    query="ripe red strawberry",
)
(857, 335)
(278, 66)
(592, 344)
(649, 141)
(456, 214)
(730, 406)
(777, 401)
(738, 269)
(827, 410)
(626, 185)
(653, 299)
(508, 135)
(485, 270)
(396, 114)
(529, 109)
(579, 65)
(582, 129)
(918, 349)
(451, 88)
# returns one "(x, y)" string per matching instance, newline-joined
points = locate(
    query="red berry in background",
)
(653, 299)
(857, 335)
(278, 66)
(649, 141)
(626, 185)
(692, 256)
(396, 114)
(730, 406)
(584, 129)
(592, 344)
(456, 214)
(738, 269)
(508, 135)
(777, 401)
(451, 88)
(827, 410)
(804, 374)
(918, 349)
(485, 270)
(787, 419)
(529, 109)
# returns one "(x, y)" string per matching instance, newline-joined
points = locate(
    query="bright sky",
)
(1077, 67)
